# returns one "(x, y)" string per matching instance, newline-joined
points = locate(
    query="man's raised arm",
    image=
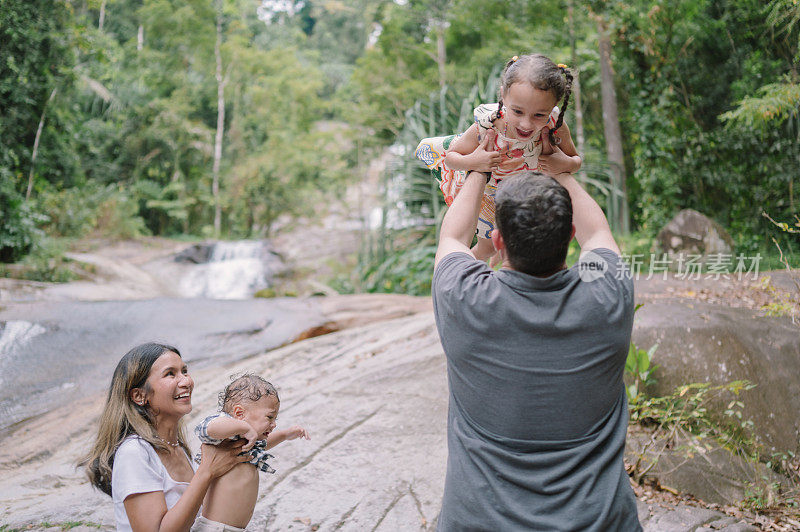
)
(460, 220)
(591, 226)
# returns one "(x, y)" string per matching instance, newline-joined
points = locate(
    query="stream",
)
(55, 351)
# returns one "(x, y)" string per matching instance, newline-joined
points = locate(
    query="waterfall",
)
(235, 270)
(13, 335)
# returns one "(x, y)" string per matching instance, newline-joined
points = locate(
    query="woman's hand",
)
(251, 436)
(219, 459)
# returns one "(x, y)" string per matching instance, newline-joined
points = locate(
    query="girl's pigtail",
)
(567, 91)
(502, 77)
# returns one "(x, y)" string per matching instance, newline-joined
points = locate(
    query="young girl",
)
(525, 130)
(249, 411)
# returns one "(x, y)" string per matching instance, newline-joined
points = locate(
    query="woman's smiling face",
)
(169, 387)
(527, 110)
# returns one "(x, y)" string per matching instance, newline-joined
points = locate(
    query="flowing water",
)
(53, 351)
(235, 270)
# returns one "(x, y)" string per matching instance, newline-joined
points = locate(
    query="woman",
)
(140, 456)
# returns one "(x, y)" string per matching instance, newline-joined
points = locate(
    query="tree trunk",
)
(576, 89)
(611, 127)
(102, 16)
(441, 52)
(36, 144)
(220, 126)
(140, 39)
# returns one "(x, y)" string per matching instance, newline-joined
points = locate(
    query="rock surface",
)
(374, 398)
(77, 344)
(692, 233)
(701, 342)
(699, 467)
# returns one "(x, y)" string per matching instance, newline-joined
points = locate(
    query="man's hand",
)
(557, 163)
(484, 158)
(552, 160)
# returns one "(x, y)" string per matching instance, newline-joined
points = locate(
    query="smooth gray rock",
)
(71, 348)
(701, 468)
(682, 518)
(692, 233)
(699, 342)
(374, 399)
(729, 524)
(195, 253)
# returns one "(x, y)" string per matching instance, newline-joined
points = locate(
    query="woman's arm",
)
(467, 153)
(147, 512)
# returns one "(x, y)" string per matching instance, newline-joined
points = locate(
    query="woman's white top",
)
(138, 469)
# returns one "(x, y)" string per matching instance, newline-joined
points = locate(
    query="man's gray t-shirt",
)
(538, 414)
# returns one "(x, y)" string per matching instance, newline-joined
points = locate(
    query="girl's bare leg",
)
(483, 249)
(494, 261)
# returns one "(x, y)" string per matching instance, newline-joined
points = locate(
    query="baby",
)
(249, 410)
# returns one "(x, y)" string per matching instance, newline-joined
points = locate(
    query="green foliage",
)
(35, 58)
(408, 271)
(105, 210)
(681, 153)
(47, 263)
(639, 370)
(688, 408)
(772, 105)
(708, 122)
(18, 231)
(128, 140)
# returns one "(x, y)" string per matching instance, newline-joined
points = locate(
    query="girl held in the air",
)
(524, 131)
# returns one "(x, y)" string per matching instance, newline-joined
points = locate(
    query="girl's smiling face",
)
(168, 389)
(527, 110)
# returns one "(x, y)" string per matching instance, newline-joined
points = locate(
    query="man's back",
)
(537, 419)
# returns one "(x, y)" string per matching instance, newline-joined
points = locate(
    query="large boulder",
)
(692, 233)
(700, 467)
(699, 342)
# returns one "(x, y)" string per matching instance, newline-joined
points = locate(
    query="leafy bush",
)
(18, 232)
(108, 210)
(47, 263)
(408, 271)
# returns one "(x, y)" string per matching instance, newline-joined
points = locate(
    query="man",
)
(535, 356)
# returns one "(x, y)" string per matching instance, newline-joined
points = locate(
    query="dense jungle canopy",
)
(215, 117)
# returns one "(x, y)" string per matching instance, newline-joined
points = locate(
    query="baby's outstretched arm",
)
(278, 436)
(224, 428)
(468, 152)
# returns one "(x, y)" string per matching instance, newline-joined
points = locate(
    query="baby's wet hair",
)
(245, 387)
(543, 74)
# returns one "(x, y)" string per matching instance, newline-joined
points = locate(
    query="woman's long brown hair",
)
(122, 417)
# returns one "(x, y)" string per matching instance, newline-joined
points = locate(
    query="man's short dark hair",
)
(534, 216)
